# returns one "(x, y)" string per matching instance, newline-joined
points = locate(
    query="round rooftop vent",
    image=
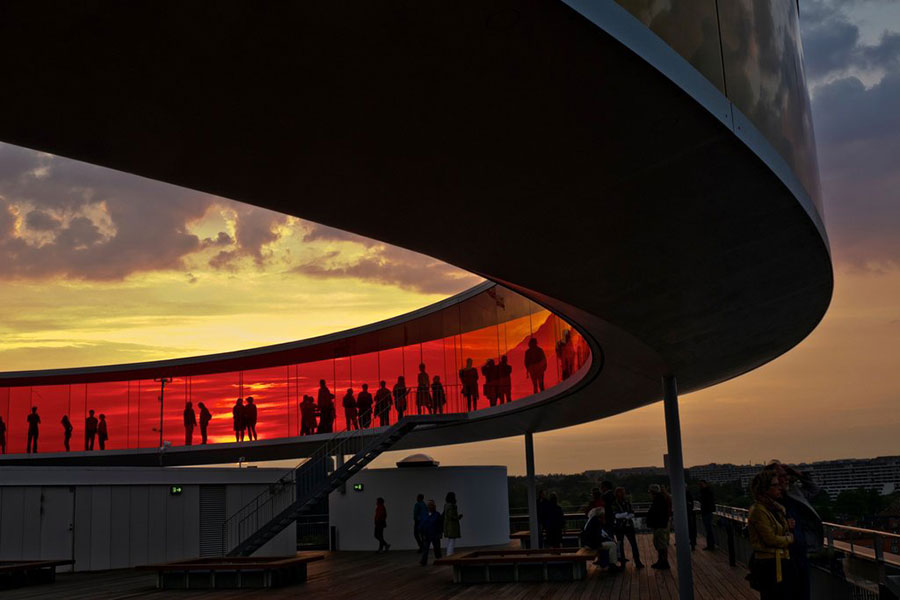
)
(417, 460)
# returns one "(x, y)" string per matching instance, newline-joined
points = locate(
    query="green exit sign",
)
(175, 490)
(357, 487)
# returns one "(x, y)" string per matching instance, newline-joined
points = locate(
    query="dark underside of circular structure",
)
(516, 140)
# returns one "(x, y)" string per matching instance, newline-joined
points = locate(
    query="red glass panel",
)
(218, 393)
(109, 399)
(16, 423)
(269, 390)
(52, 402)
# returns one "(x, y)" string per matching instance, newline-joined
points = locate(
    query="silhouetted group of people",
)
(190, 421)
(429, 526)
(94, 429)
(244, 415)
(362, 410)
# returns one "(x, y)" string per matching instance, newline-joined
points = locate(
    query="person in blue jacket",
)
(432, 530)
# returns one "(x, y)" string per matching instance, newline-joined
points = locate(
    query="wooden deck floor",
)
(396, 574)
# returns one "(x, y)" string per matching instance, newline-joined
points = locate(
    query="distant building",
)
(881, 474)
(723, 474)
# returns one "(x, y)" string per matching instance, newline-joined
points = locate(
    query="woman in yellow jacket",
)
(770, 536)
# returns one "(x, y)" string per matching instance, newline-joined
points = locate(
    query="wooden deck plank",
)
(349, 575)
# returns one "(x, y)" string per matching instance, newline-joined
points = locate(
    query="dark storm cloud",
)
(832, 44)
(857, 132)
(106, 225)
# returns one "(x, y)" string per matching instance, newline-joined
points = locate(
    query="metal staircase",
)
(302, 488)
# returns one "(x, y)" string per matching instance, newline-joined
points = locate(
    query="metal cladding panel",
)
(12, 527)
(157, 525)
(212, 517)
(139, 524)
(83, 528)
(120, 516)
(101, 527)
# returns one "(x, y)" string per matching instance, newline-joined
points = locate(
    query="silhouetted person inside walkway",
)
(67, 431)
(468, 377)
(90, 430)
(33, 422)
(326, 408)
(535, 365)
(250, 417)
(438, 396)
(565, 350)
(102, 432)
(400, 394)
(423, 392)
(205, 418)
(432, 530)
(351, 413)
(380, 524)
(504, 381)
(364, 407)
(2, 436)
(489, 370)
(307, 415)
(554, 523)
(383, 404)
(190, 421)
(237, 418)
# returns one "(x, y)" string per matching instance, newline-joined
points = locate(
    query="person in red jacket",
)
(380, 524)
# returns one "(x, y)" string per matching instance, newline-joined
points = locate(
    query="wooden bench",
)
(571, 538)
(15, 573)
(505, 566)
(231, 573)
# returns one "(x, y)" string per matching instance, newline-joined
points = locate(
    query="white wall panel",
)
(120, 515)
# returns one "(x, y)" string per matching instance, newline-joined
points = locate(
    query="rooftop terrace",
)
(345, 575)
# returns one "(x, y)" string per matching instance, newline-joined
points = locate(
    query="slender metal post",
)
(676, 479)
(532, 491)
(162, 393)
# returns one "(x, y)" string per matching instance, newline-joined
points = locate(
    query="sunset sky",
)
(100, 267)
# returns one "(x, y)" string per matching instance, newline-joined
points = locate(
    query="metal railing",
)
(862, 579)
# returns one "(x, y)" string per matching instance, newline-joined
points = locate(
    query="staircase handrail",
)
(330, 447)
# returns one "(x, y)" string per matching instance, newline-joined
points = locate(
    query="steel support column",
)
(676, 480)
(532, 491)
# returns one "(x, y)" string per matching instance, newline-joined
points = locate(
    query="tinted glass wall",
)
(751, 51)
(494, 327)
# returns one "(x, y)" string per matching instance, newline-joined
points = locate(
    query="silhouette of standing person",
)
(489, 370)
(565, 350)
(205, 418)
(383, 404)
(400, 394)
(364, 407)
(380, 524)
(90, 430)
(350, 410)
(438, 397)
(250, 416)
(535, 365)
(468, 376)
(307, 416)
(2, 436)
(33, 421)
(102, 432)
(504, 381)
(237, 415)
(326, 408)
(190, 421)
(67, 431)
(423, 392)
